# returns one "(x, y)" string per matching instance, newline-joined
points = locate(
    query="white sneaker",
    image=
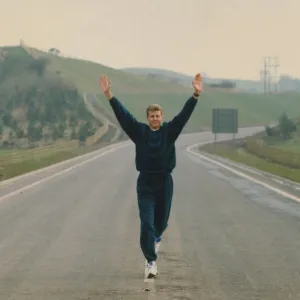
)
(151, 270)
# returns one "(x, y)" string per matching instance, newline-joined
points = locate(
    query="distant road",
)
(76, 235)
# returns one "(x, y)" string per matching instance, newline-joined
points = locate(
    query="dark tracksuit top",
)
(155, 160)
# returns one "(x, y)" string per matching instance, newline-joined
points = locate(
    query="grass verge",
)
(21, 164)
(239, 153)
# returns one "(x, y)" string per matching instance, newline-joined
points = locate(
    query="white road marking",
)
(241, 174)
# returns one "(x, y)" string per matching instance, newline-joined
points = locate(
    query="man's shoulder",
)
(165, 125)
(141, 126)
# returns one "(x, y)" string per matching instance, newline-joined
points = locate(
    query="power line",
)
(276, 66)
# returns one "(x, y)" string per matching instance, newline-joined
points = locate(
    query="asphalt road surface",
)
(76, 236)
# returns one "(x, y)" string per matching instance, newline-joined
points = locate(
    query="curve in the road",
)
(76, 236)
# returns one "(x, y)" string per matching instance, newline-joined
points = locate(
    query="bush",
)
(268, 131)
(271, 154)
(286, 126)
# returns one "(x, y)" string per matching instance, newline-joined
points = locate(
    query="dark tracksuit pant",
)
(155, 192)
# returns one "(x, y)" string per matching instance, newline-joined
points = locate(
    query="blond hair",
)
(153, 107)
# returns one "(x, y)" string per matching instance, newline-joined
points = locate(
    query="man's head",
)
(154, 115)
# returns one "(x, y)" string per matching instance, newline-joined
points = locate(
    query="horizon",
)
(65, 55)
(226, 41)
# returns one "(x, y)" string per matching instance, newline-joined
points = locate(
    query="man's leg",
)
(146, 204)
(147, 235)
(163, 206)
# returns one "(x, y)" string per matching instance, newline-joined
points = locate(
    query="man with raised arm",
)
(155, 160)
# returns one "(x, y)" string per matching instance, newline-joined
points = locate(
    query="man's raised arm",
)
(127, 121)
(179, 121)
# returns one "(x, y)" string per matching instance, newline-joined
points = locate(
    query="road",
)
(90, 100)
(76, 236)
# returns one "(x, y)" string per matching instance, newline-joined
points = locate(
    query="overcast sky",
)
(224, 38)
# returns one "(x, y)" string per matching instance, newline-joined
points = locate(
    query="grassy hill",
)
(37, 105)
(185, 79)
(45, 97)
(287, 83)
(86, 76)
(136, 92)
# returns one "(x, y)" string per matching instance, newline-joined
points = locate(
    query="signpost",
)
(225, 120)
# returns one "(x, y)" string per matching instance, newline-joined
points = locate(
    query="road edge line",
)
(239, 173)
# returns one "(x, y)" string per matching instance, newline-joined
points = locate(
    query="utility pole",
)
(276, 65)
(265, 75)
(270, 77)
(270, 74)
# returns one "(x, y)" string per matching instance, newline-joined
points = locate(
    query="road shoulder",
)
(282, 186)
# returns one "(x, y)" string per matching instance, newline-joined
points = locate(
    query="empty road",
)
(76, 235)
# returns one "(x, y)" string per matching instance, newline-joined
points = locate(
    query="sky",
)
(223, 38)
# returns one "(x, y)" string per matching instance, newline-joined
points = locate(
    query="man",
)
(155, 160)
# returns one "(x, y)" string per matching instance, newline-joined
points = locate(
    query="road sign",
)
(225, 120)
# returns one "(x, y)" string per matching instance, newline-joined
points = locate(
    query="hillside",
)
(287, 83)
(185, 80)
(253, 109)
(137, 92)
(37, 105)
(85, 74)
(51, 99)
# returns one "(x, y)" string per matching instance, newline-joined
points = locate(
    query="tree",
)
(35, 133)
(286, 126)
(54, 51)
(11, 135)
(19, 133)
(83, 131)
(223, 84)
(269, 131)
(7, 119)
(39, 65)
(73, 133)
(61, 129)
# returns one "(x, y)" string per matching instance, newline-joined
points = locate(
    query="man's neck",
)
(154, 129)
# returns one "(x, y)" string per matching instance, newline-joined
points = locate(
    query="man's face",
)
(155, 118)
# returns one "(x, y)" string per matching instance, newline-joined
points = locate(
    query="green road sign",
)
(224, 120)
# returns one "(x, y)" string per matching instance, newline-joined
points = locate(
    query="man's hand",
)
(197, 83)
(105, 86)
